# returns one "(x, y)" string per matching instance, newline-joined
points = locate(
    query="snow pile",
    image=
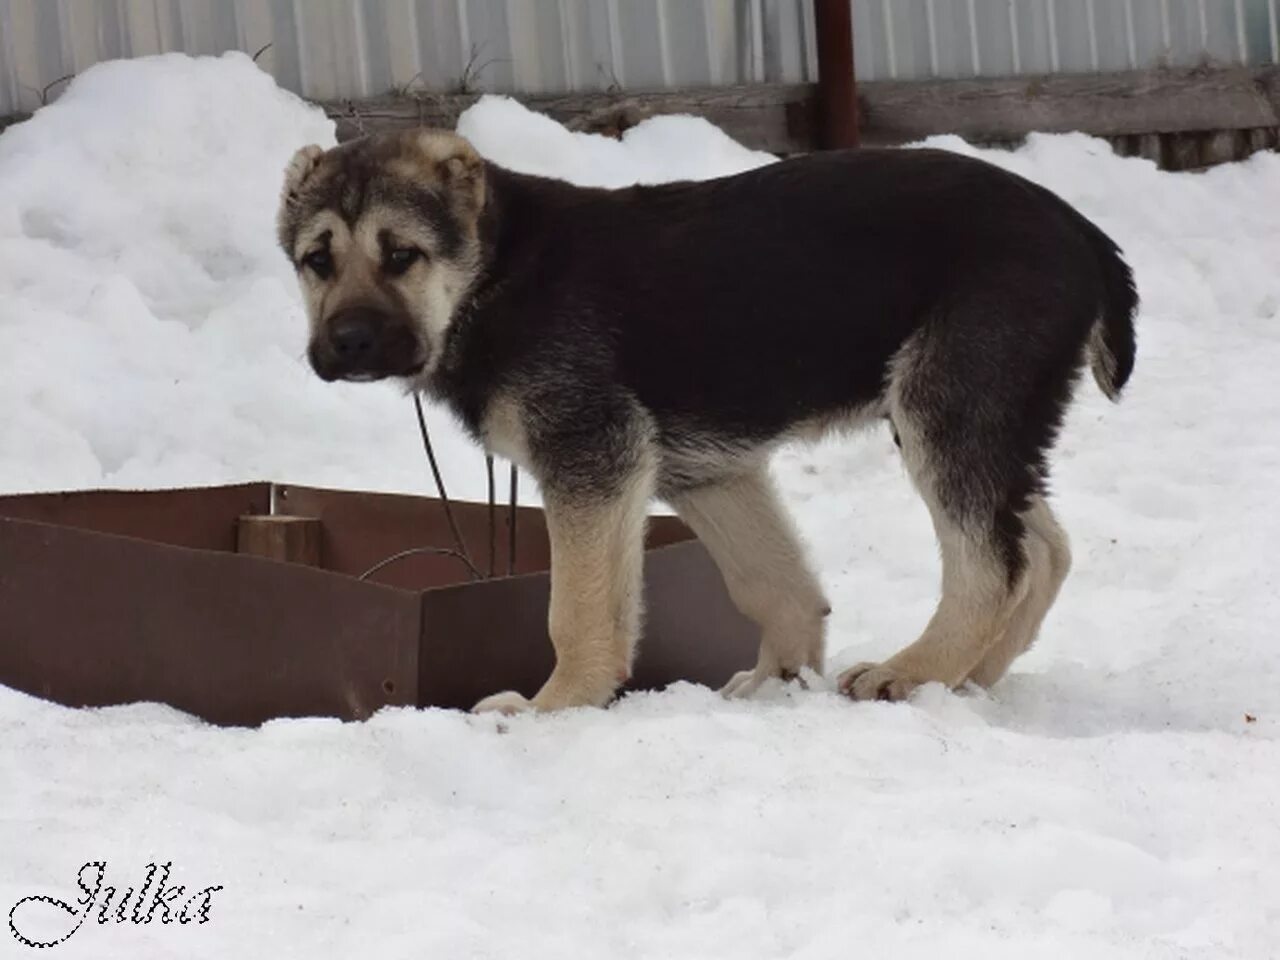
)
(146, 316)
(655, 151)
(1114, 797)
(151, 330)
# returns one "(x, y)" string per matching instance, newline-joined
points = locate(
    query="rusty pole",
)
(837, 89)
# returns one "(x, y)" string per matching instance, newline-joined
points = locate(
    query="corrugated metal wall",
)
(354, 48)
(909, 39)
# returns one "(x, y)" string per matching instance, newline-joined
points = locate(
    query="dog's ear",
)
(464, 175)
(300, 167)
(459, 168)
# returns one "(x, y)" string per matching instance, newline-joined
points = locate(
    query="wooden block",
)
(291, 539)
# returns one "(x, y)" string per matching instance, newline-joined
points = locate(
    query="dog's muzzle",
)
(362, 343)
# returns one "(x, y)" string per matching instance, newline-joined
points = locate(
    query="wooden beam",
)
(783, 118)
(1105, 104)
(773, 117)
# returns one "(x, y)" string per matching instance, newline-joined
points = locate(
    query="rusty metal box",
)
(110, 597)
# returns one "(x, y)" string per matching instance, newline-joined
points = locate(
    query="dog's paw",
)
(744, 683)
(875, 681)
(508, 703)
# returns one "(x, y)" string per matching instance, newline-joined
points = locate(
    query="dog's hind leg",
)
(742, 524)
(974, 449)
(1048, 563)
(978, 600)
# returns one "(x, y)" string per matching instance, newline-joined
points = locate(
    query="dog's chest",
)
(502, 431)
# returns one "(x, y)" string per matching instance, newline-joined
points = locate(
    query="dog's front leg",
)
(597, 558)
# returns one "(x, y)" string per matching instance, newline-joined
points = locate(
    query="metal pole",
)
(837, 89)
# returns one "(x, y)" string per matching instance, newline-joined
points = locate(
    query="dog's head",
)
(385, 235)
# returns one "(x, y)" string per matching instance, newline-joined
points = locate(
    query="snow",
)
(1110, 798)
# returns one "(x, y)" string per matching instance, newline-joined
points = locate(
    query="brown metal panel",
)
(204, 518)
(362, 529)
(692, 629)
(92, 619)
(485, 637)
(664, 531)
(480, 638)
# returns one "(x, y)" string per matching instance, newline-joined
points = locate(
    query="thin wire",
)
(438, 551)
(492, 501)
(444, 497)
(511, 522)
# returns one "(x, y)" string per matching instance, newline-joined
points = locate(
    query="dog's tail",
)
(1112, 342)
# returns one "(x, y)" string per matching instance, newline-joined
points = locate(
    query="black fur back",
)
(732, 309)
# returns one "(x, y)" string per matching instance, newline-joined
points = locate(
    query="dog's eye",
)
(401, 259)
(320, 262)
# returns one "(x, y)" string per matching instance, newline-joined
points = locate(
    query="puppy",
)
(662, 341)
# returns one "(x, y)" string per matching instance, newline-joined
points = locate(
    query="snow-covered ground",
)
(1115, 796)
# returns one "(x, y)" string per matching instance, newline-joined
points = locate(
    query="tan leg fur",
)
(1049, 562)
(597, 565)
(744, 528)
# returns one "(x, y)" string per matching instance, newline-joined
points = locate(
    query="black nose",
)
(354, 333)
(366, 343)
